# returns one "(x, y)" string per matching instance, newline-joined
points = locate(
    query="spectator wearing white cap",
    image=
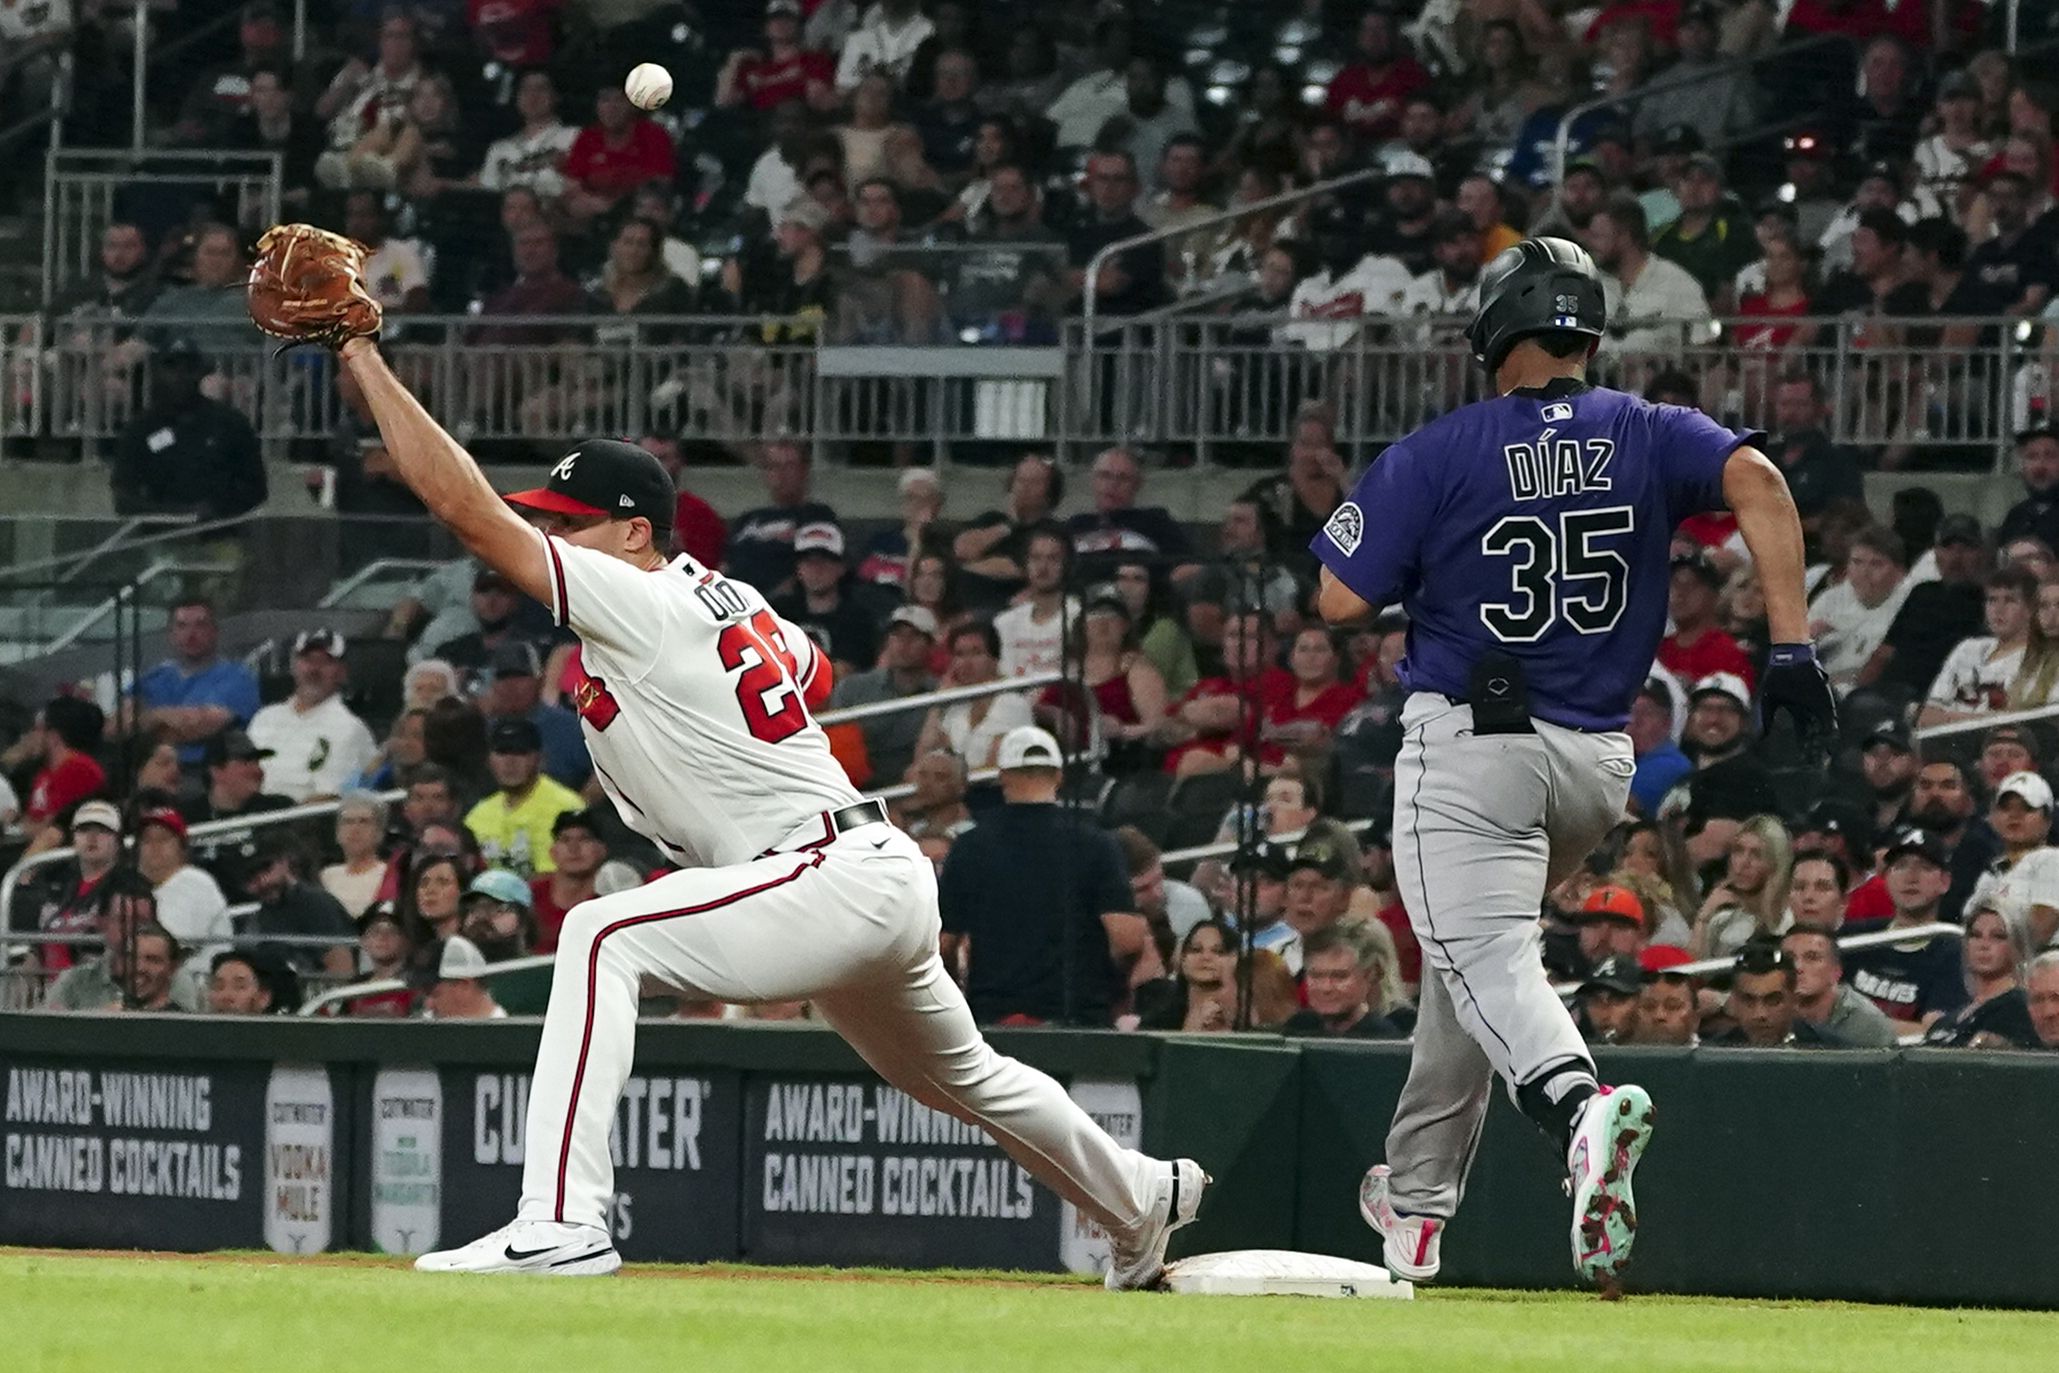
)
(1036, 902)
(317, 744)
(2023, 885)
(903, 671)
(69, 897)
(821, 601)
(460, 993)
(1729, 784)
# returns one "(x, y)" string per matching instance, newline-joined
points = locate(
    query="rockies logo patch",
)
(1347, 527)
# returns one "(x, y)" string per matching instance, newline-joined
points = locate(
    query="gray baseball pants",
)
(1484, 825)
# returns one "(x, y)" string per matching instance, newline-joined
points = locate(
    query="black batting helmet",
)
(1540, 286)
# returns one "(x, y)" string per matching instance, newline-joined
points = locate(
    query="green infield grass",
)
(268, 1314)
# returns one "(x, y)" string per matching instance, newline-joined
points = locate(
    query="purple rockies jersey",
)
(1539, 523)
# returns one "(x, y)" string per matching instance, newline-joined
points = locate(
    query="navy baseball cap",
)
(514, 735)
(605, 478)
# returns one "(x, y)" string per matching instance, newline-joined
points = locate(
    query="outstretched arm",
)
(1757, 494)
(448, 480)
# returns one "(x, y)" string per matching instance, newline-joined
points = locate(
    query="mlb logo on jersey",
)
(1346, 527)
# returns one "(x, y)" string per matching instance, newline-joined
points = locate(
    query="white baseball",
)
(649, 86)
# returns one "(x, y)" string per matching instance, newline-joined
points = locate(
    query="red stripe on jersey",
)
(593, 968)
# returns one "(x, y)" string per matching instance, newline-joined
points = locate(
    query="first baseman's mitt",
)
(308, 286)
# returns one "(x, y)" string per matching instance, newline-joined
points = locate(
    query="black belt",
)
(858, 816)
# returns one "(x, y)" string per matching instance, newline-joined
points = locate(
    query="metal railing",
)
(50, 116)
(81, 186)
(1724, 72)
(92, 617)
(1224, 848)
(1205, 384)
(1982, 723)
(943, 696)
(380, 986)
(374, 571)
(11, 880)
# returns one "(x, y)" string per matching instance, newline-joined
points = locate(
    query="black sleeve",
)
(242, 485)
(1912, 614)
(1107, 884)
(958, 886)
(131, 477)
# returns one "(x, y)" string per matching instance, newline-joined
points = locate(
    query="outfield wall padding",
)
(1916, 1176)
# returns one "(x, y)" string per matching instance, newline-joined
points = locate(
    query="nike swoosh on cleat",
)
(579, 1258)
(515, 1255)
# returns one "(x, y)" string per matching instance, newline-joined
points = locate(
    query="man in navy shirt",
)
(196, 693)
(1037, 901)
(1919, 982)
(1528, 538)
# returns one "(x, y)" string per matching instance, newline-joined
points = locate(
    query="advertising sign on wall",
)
(851, 1171)
(130, 1154)
(407, 1160)
(300, 1159)
(674, 1142)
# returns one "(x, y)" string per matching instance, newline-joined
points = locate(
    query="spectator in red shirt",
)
(517, 32)
(783, 71)
(614, 155)
(1368, 94)
(1697, 647)
(1220, 715)
(1305, 715)
(66, 738)
(578, 849)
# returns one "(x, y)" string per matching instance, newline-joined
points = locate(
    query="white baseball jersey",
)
(692, 701)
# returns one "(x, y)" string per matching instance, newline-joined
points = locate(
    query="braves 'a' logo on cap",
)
(1347, 527)
(563, 471)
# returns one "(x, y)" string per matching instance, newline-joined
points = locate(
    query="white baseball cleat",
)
(1141, 1263)
(1608, 1139)
(545, 1248)
(1408, 1243)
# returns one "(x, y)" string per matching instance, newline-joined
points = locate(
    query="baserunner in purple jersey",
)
(1528, 537)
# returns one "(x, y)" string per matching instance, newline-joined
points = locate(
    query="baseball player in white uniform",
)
(695, 702)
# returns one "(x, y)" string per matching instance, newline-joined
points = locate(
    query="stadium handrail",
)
(52, 114)
(159, 567)
(1224, 848)
(943, 696)
(334, 596)
(1723, 71)
(1702, 967)
(1089, 291)
(379, 986)
(11, 880)
(67, 565)
(1982, 723)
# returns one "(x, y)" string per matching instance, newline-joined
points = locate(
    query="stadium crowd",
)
(906, 175)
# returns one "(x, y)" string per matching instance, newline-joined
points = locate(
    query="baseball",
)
(649, 86)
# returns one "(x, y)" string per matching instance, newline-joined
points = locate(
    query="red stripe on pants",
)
(593, 967)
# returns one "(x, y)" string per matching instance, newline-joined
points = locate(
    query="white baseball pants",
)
(850, 925)
(1484, 825)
